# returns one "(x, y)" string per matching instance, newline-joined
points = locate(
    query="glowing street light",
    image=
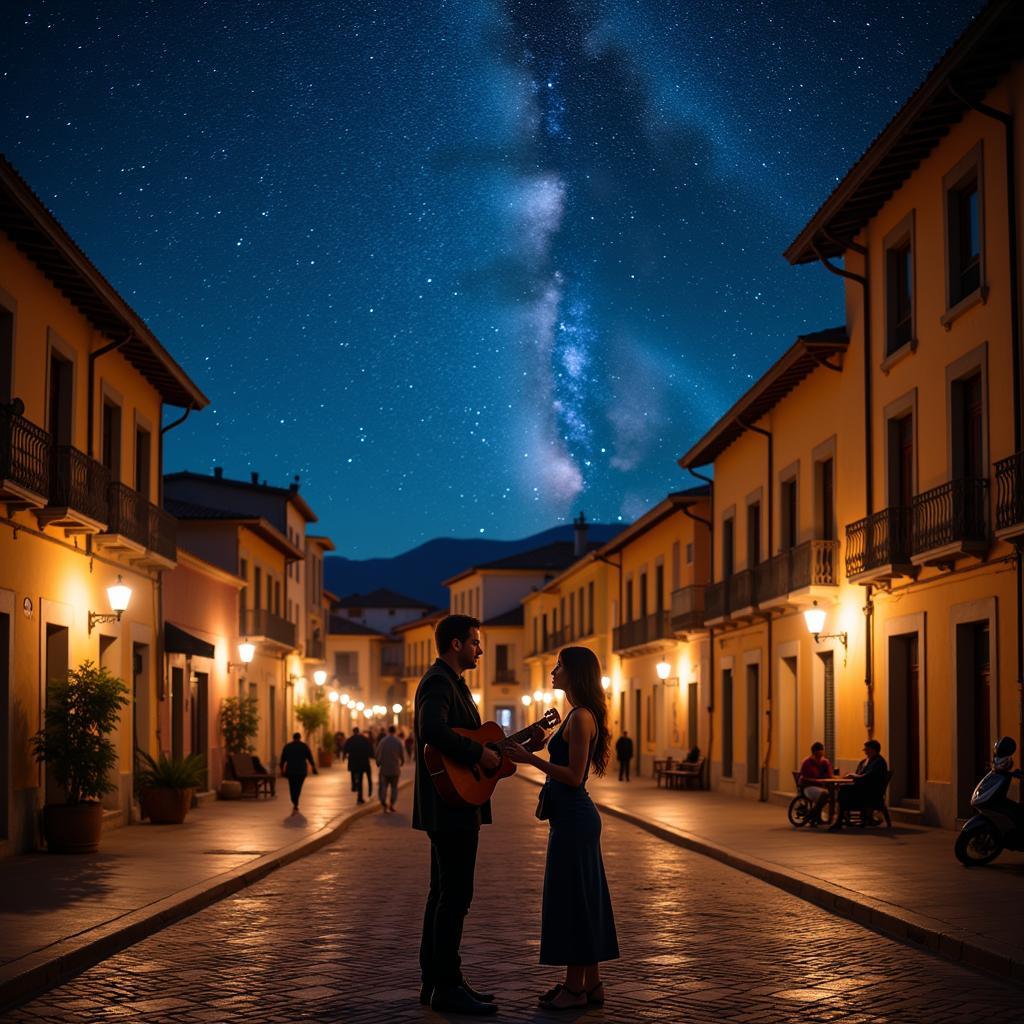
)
(332, 696)
(664, 669)
(118, 594)
(360, 705)
(345, 699)
(396, 709)
(319, 677)
(606, 682)
(476, 698)
(526, 699)
(814, 617)
(538, 696)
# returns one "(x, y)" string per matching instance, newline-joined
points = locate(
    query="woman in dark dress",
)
(577, 925)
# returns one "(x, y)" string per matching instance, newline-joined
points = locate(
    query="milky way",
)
(464, 267)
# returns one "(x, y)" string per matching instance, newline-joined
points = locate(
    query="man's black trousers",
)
(295, 787)
(452, 864)
(624, 769)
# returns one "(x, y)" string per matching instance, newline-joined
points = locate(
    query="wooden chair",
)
(867, 811)
(243, 768)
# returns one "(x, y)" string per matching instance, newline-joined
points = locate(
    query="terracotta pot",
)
(73, 828)
(164, 806)
(324, 759)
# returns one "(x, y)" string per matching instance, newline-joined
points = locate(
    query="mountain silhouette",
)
(418, 573)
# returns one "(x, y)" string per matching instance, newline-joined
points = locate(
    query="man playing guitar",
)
(443, 703)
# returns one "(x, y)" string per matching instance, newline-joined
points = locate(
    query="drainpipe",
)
(768, 674)
(711, 629)
(869, 500)
(1006, 120)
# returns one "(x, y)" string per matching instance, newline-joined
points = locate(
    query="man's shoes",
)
(391, 808)
(458, 1000)
(483, 997)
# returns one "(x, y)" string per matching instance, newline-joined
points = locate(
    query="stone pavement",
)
(334, 937)
(904, 881)
(58, 912)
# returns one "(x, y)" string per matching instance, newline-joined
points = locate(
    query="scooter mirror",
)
(1006, 747)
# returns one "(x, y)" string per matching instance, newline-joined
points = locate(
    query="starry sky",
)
(464, 266)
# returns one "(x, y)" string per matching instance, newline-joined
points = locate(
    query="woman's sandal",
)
(550, 1004)
(546, 997)
(595, 996)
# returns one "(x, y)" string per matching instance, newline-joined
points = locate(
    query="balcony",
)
(688, 609)
(505, 675)
(878, 546)
(261, 626)
(314, 649)
(1010, 497)
(949, 522)
(716, 603)
(137, 531)
(24, 460)
(643, 632)
(78, 492)
(162, 546)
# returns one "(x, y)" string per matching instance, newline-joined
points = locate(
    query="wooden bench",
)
(682, 775)
(243, 768)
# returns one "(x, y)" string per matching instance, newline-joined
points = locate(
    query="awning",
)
(177, 641)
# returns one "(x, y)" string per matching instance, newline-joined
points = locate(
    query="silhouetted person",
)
(358, 750)
(390, 758)
(339, 743)
(624, 754)
(294, 756)
(815, 768)
(869, 782)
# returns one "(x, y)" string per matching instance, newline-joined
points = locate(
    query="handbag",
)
(543, 811)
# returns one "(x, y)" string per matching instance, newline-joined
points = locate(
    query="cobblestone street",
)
(334, 938)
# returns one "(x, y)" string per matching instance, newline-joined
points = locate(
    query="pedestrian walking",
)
(624, 754)
(294, 756)
(358, 750)
(577, 923)
(410, 747)
(339, 743)
(390, 757)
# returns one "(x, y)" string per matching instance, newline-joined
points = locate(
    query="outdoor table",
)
(832, 784)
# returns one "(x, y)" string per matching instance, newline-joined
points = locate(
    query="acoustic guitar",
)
(461, 785)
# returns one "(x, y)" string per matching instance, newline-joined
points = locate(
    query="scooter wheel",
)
(978, 844)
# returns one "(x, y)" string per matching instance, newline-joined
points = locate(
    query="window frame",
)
(902, 235)
(972, 164)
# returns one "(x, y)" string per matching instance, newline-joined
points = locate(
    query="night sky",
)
(466, 267)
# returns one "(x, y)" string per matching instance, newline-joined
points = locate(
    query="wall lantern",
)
(119, 594)
(606, 682)
(319, 677)
(246, 652)
(664, 669)
(815, 619)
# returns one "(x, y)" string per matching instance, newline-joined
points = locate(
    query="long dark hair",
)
(583, 687)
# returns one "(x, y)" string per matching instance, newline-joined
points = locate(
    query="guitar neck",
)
(524, 734)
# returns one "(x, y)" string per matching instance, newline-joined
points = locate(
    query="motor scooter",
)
(998, 823)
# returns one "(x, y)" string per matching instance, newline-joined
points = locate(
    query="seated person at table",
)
(869, 782)
(693, 756)
(814, 768)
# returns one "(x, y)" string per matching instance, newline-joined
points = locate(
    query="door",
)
(727, 752)
(637, 727)
(904, 715)
(692, 734)
(786, 728)
(828, 704)
(272, 722)
(753, 724)
(201, 723)
(5, 719)
(177, 712)
(974, 703)
(140, 698)
(59, 421)
(57, 655)
(505, 717)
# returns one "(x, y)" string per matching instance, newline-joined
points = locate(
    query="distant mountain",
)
(418, 573)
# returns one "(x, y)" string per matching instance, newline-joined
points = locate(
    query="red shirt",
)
(812, 769)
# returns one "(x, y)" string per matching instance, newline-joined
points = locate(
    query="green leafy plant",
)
(239, 723)
(171, 772)
(81, 712)
(312, 716)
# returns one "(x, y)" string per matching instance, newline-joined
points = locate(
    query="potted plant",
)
(81, 711)
(315, 716)
(239, 723)
(166, 786)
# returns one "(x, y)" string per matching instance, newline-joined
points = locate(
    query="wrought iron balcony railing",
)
(642, 631)
(504, 675)
(688, 608)
(256, 622)
(1010, 492)
(78, 483)
(315, 647)
(163, 533)
(128, 514)
(25, 451)
(716, 605)
(955, 513)
(879, 540)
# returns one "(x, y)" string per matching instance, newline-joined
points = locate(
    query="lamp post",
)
(814, 617)
(118, 594)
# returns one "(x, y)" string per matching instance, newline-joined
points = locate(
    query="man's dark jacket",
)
(624, 748)
(358, 749)
(294, 756)
(443, 701)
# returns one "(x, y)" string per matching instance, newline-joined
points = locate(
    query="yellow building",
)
(318, 607)
(419, 652)
(882, 464)
(353, 655)
(83, 385)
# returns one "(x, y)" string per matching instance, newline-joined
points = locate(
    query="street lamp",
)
(538, 696)
(319, 677)
(606, 682)
(345, 699)
(332, 696)
(526, 699)
(118, 594)
(476, 698)
(246, 652)
(814, 617)
(396, 709)
(664, 669)
(360, 705)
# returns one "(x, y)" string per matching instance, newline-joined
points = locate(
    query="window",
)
(572, 614)
(728, 551)
(963, 223)
(825, 479)
(643, 595)
(901, 461)
(544, 630)
(112, 438)
(753, 725)
(142, 457)
(257, 589)
(345, 665)
(629, 601)
(590, 607)
(579, 605)
(899, 293)
(535, 634)
(659, 589)
(689, 553)
(788, 508)
(6, 355)
(501, 659)
(61, 377)
(753, 534)
(968, 428)
(676, 569)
